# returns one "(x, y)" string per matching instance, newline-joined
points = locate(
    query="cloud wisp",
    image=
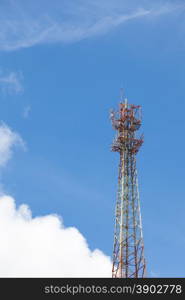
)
(71, 23)
(26, 112)
(8, 140)
(11, 83)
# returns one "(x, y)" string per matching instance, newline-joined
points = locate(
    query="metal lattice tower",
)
(128, 252)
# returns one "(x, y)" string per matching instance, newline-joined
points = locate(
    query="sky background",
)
(62, 64)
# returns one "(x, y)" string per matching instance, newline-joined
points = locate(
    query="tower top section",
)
(126, 121)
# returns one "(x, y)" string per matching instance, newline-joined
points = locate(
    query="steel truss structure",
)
(128, 250)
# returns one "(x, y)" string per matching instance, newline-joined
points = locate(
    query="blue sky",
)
(62, 66)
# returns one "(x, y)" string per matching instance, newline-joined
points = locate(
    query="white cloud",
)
(43, 247)
(8, 139)
(64, 22)
(11, 83)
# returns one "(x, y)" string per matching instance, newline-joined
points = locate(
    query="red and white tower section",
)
(128, 251)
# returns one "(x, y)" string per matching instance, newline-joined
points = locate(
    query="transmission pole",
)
(128, 250)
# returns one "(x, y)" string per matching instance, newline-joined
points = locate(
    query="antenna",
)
(122, 94)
